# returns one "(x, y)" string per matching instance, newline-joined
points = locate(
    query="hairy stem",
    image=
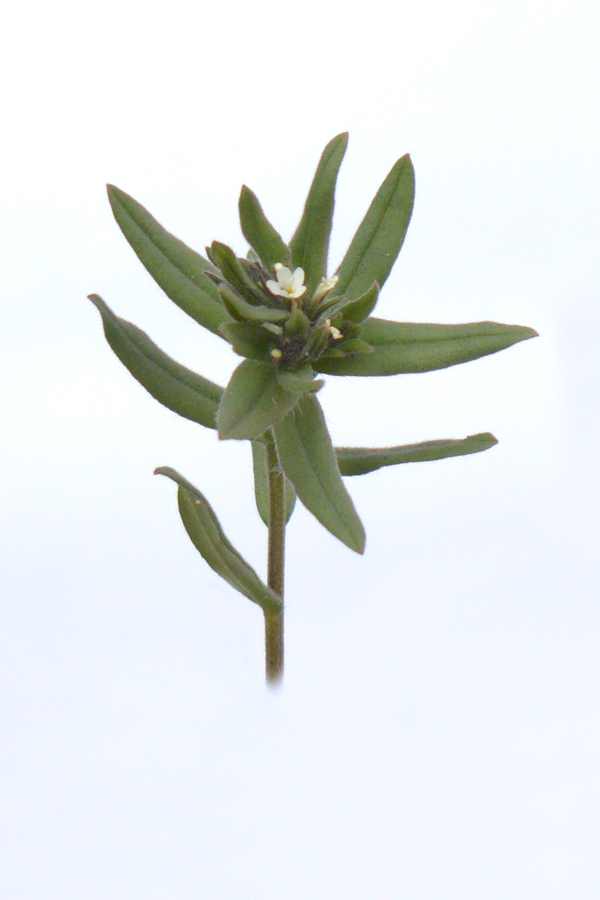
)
(275, 566)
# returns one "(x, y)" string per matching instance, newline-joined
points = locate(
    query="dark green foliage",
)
(208, 538)
(289, 325)
(309, 462)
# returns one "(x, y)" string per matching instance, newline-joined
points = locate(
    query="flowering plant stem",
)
(291, 322)
(275, 566)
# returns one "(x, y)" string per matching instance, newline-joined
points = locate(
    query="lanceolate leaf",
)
(402, 347)
(206, 534)
(310, 243)
(361, 460)
(175, 267)
(252, 402)
(355, 311)
(261, 486)
(377, 243)
(308, 461)
(186, 393)
(259, 232)
(246, 312)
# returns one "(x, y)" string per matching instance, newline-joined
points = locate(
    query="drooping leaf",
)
(207, 536)
(176, 387)
(259, 232)
(252, 402)
(309, 462)
(302, 380)
(310, 243)
(261, 486)
(380, 236)
(403, 347)
(178, 270)
(362, 460)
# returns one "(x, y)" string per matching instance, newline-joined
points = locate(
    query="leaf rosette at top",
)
(290, 321)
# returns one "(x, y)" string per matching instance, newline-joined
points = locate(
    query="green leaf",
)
(252, 402)
(259, 232)
(355, 346)
(355, 311)
(302, 380)
(261, 485)
(380, 236)
(361, 460)
(403, 347)
(246, 312)
(310, 243)
(179, 389)
(178, 270)
(251, 341)
(207, 536)
(309, 462)
(234, 272)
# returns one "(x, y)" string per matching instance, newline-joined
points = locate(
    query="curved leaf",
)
(251, 341)
(178, 270)
(310, 243)
(380, 236)
(309, 462)
(246, 312)
(261, 485)
(252, 402)
(302, 380)
(207, 536)
(362, 460)
(404, 347)
(259, 232)
(179, 389)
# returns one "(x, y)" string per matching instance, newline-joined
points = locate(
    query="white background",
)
(437, 735)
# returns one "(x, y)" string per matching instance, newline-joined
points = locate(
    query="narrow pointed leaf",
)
(178, 270)
(355, 311)
(252, 402)
(403, 347)
(380, 236)
(261, 485)
(246, 312)
(235, 273)
(207, 536)
(309, 462)
(259, 232)
(310, 243)
(362, 460)
(176, 387)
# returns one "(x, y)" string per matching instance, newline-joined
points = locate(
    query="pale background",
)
(437, 737)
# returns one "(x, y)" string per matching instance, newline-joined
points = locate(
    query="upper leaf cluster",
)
(279, 309)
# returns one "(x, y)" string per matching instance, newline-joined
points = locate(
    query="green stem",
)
(275, 566)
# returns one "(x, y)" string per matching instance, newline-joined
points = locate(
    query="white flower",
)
(326, 285)
(287, 285)
(335, 333)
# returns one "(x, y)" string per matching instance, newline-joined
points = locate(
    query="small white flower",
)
(326, 285)
(287, 285)
(335, 333)
(276, 353)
